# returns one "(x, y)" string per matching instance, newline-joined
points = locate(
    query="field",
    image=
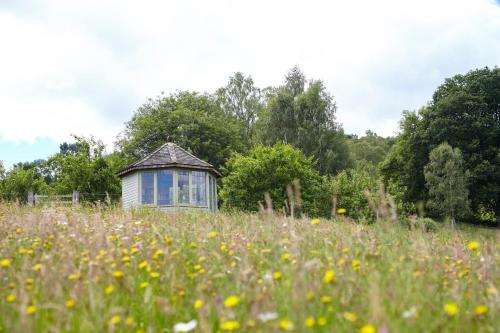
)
(100, 270)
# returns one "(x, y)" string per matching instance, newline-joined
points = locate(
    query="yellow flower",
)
(129, 321)
(350, 316)
(481, 310)
(154, 275)
(329, 276)
(74, 276)
(10, 298)
(286, 325)
(143, 264)
(212, 234)
(321, 321)
(310, 322)
(37, 267)
(341, 211)
(314, 221)
(231, 301)
(451, 309)
(473, 245)
(356, 264)
(109, 289)
(5, 262)
(325, 299)
(115, 320)
(144, 285)
(198, 304)
(70, 303)
(368, 329)
(30, 309)
(229, 325)
(277, 275)
(118, 274)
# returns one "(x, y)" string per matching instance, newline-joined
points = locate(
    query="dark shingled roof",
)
(169, 155)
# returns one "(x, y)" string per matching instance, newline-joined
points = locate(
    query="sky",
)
(84, 67)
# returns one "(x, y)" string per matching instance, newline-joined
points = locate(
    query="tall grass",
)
(100, 270)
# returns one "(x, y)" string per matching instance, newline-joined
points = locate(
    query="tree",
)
(18, 181)
(370, 148)
(241, 99)
(447, 182)
(305, 118)
(193, 121)
(271, 170)
(86, 169)
(463, 112)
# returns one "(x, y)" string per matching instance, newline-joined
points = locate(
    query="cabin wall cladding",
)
(130, 190)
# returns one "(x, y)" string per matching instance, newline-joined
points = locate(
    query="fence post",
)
(76, 198)
(30, 198)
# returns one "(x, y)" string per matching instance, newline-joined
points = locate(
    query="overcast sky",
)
(84, 67)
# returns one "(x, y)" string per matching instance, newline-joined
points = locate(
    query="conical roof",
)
(169, 155)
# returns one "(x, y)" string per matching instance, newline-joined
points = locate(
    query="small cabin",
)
(171, 179)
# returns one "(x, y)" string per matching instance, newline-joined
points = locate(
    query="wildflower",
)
(368, 329)
(5, 263)
(154, 275)
(185, 327)
(286, 325)
(410, 313)
(341, 211)
(231, 301)
(310, 322)
(277, 275)
(70, 303)
(309, 295)
(285, 256)
(144, 285)
(473, 245)
(115, 320)
(314, 221)
(129, 321)
(321, 321)
(118, 274)
(350, 316)
(37, 267)
(492, 291)
(325, 299)
(30, 309)
(10, 298)
(329, 276)
(481, 310)
(451, 309)
(198, 304)
(212, 234)
(356, 264)
(109, 289)
(229, 325)
(267, 316)
(74, 276)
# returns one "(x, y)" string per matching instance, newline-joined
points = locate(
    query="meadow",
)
(109, 270)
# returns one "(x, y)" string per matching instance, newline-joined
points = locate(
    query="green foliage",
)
(426, 224)
(241, 99)
(305, 118)
(464, 112)
(85, 168)
(193, 121)
(370, 148)
(447, 182)
(17, 182)
(350, 187)
(271, 169)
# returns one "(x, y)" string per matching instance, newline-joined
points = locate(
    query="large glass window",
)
(147, 187)
(165, 187)
(183, 184)
(198, 193)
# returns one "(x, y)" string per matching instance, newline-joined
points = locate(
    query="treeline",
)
(263, 139)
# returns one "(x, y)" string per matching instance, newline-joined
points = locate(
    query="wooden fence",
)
(37, 199)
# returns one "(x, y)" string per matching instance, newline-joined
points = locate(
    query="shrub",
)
(272, 169)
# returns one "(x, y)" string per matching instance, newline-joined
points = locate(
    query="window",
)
(165, 187)
(183, 184)
(198, 193)
(147, 187)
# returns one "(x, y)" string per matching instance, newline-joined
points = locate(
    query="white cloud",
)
(84, 67)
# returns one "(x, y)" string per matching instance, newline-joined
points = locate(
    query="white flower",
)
(410, 313)
(267, 316)
(185, 327)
